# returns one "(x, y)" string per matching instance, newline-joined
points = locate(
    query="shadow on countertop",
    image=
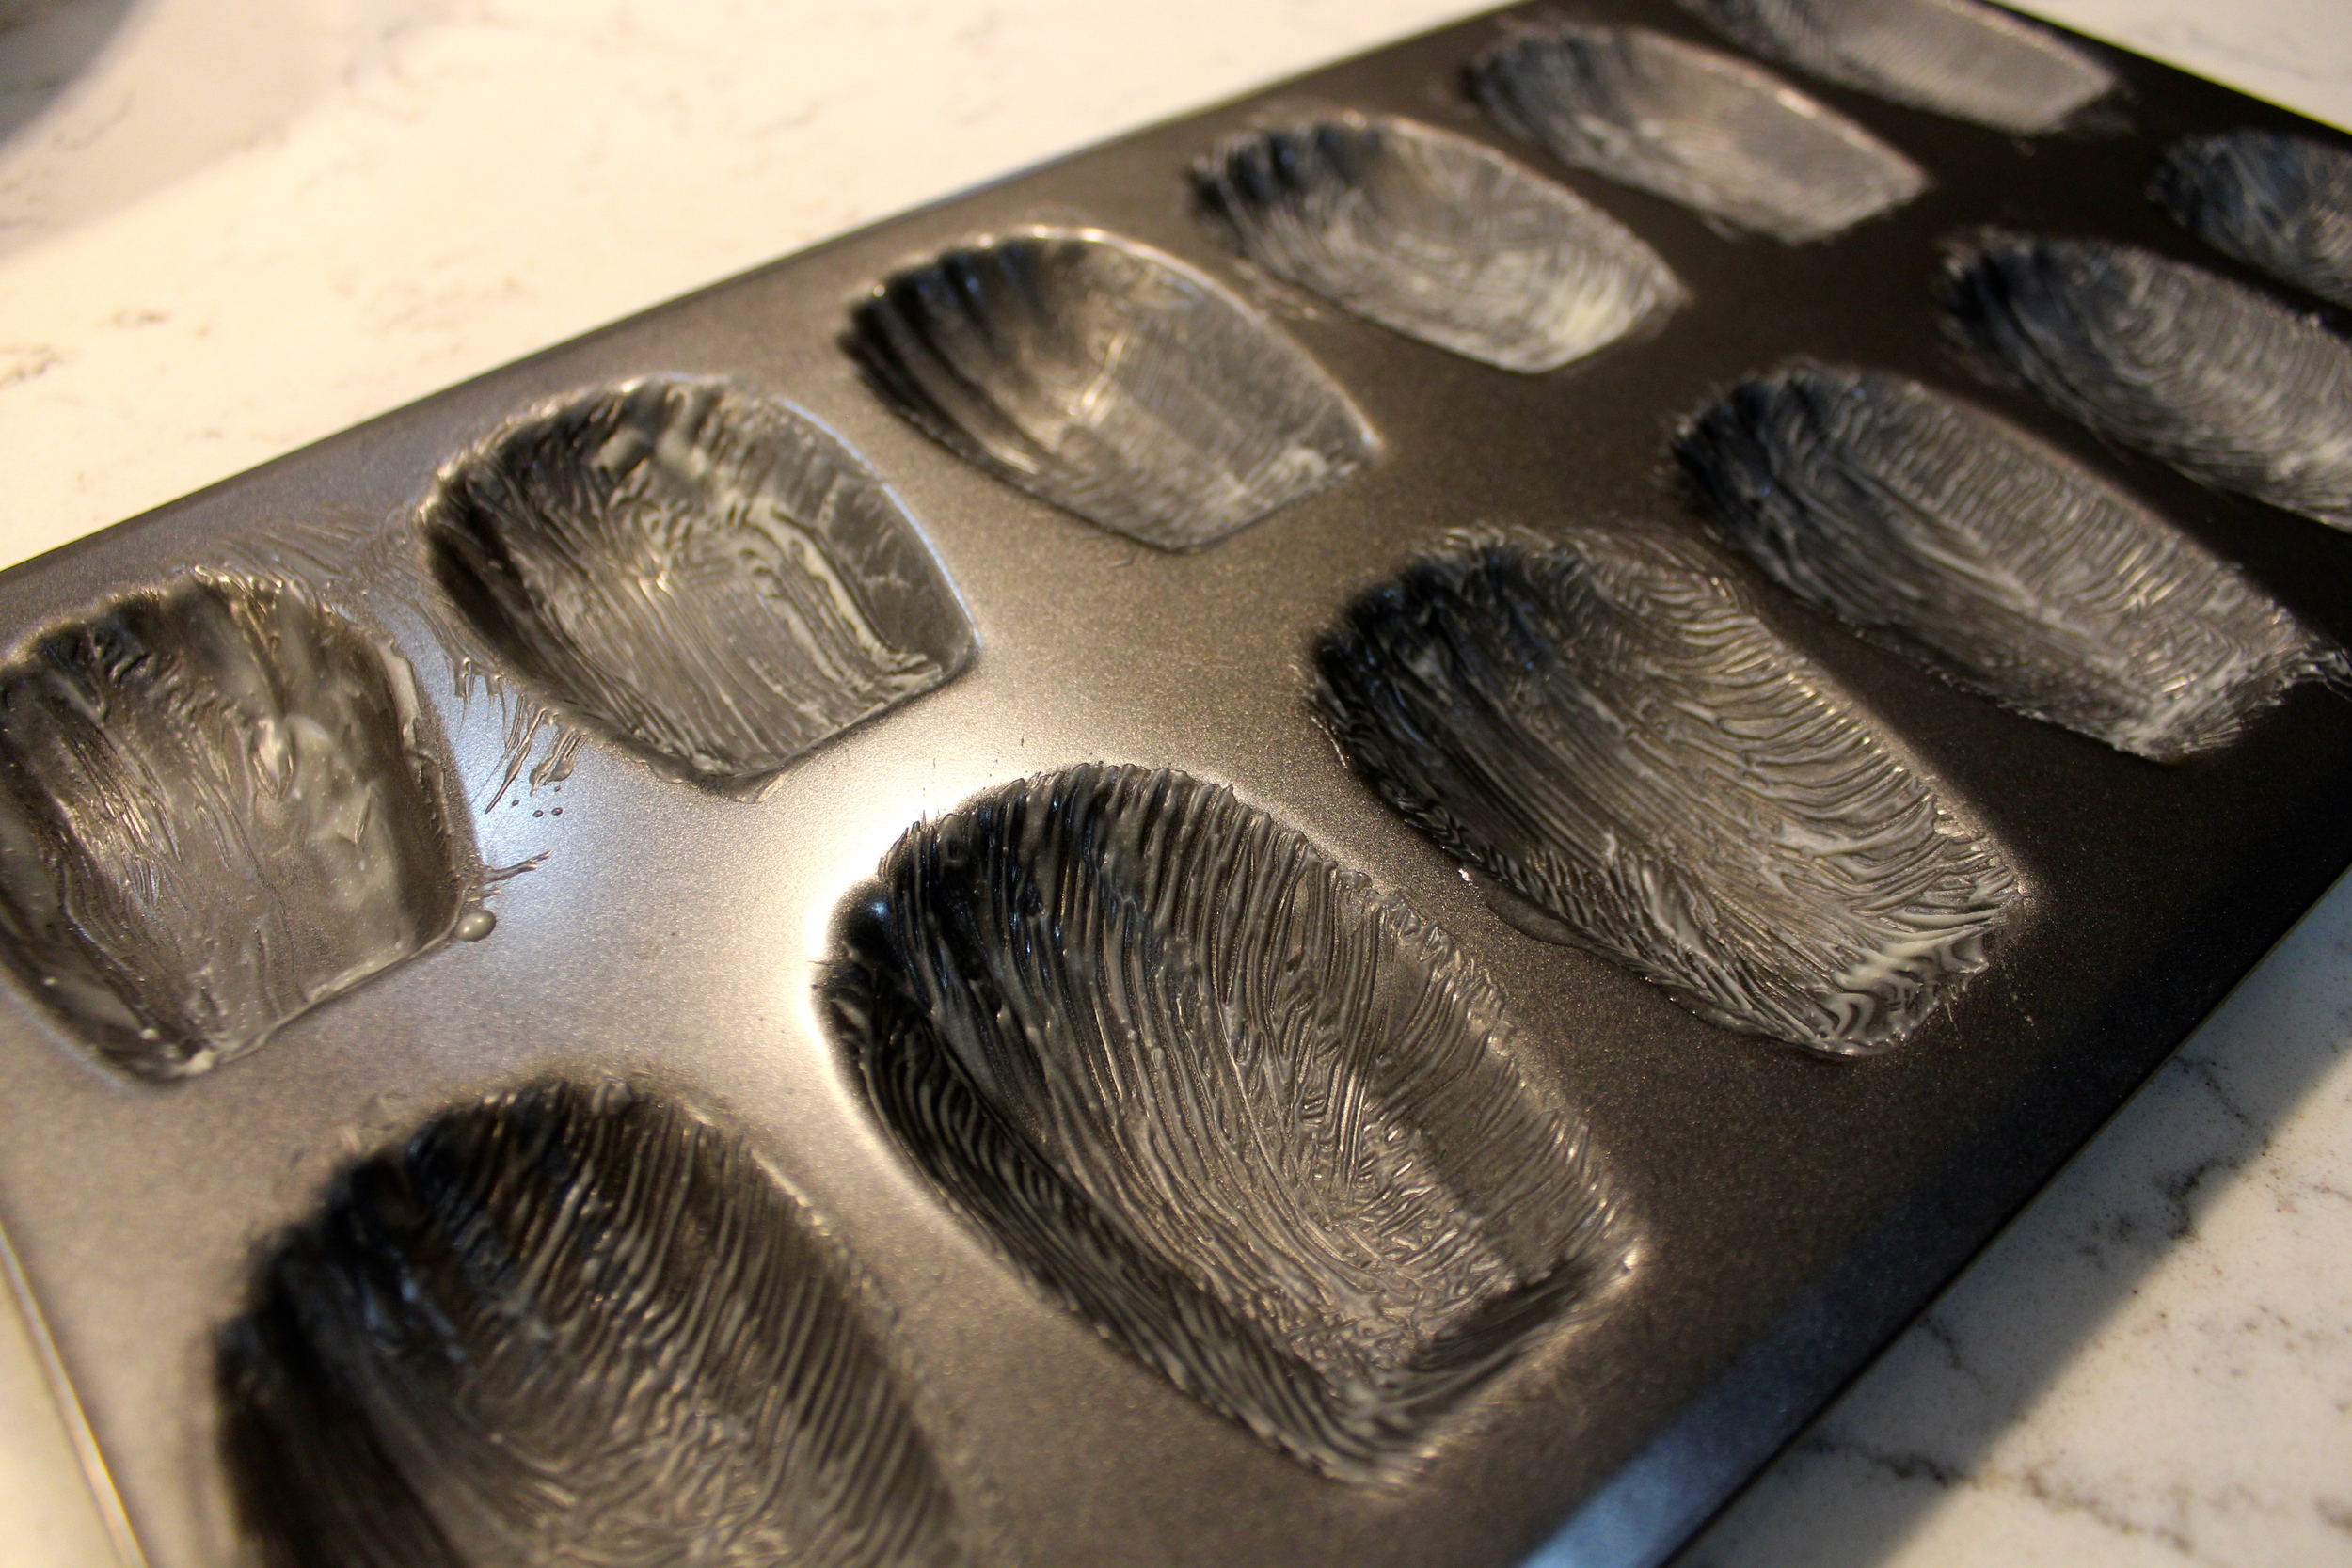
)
(45, 46)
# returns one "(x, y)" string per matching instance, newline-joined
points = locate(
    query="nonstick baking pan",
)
(1359, 831)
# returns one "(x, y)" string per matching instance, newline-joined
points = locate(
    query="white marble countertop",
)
(242, 224)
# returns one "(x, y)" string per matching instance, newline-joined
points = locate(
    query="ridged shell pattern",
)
(1110, 380)
(1436, 236)
(2215, 378)
(2278, 202)
(1957, 58)
(1714, 133)
(706, 576)
(1253, 1120)
(1931, 525)
(571, 1328)
(1603, 731)
(216, 812)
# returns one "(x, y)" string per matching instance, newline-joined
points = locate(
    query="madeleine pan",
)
(1360, 831)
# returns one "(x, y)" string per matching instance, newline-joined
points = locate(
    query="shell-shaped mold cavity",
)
(2003, 565)
(216, 812)
(2278, 202)
(1607, 737)
(2217, 379)
(1955, 56)
(565, 1328)
(1255, 1121)
(709, 578)
(1695, 126)
(1437, 237)
(1107, 379)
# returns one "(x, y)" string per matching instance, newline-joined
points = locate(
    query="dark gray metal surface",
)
(1793, 1212)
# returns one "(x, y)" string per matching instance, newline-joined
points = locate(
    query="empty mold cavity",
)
(2003, 565)
(2278, 202)
(1255, 1121)
(1694, 126)
(1605, 733)
(216, 812)
(1955, 56)
(1110, 380)
(1436, 236)
(567, 1327)
(708, 577)
(2215, 378)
